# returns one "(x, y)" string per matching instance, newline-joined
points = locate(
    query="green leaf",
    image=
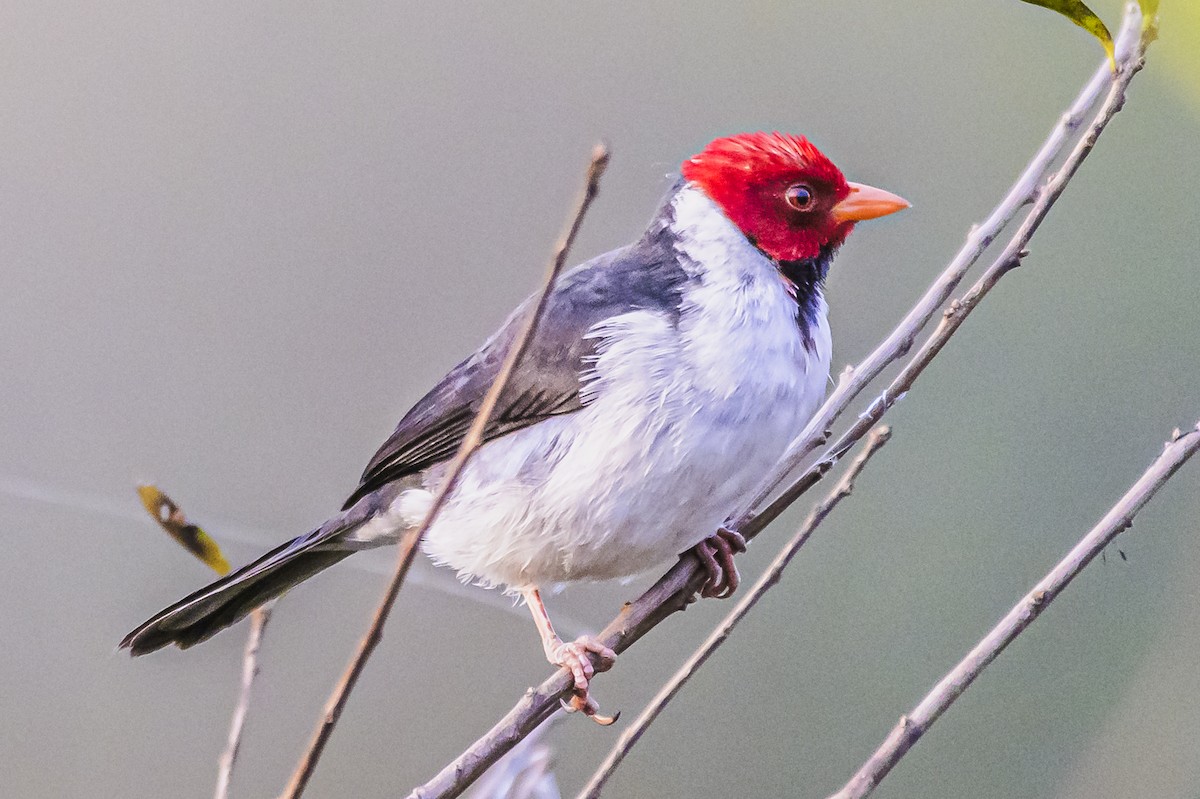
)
(171, 519)
(1149, 15)
(1084, 17)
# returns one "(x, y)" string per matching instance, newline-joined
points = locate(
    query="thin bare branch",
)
(1120, 518)
(474, 437)
(1129, 64)
(258, 624)
(671, 592)
(718, 636)
(1023, 192)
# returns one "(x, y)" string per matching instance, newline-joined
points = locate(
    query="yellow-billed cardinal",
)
(665, 379)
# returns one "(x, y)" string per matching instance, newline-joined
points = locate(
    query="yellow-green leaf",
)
(1149, 15)
(192, 538)
(1084, 17)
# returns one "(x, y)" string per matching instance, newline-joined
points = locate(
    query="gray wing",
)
(547, 381)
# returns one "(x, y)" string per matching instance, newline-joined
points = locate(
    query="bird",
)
(665, 378)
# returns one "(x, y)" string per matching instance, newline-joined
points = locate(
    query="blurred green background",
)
(239, 239)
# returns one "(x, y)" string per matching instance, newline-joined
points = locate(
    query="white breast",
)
(681, 420)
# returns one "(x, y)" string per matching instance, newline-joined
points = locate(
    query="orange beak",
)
(867, 202)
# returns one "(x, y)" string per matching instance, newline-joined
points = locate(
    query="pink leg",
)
(716, 557)
(575, 657)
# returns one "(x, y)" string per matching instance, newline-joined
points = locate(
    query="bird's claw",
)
(589, 708)
(716, 557)
(736, 540)
(575, 657)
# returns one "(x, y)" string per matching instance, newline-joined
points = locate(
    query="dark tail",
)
(205, 613)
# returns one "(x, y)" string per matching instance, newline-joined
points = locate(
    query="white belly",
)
(618, 487)
(682, 418)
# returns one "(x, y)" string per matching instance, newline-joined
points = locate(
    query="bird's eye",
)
(799, 197)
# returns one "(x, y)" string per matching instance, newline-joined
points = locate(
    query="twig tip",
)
(600, 156)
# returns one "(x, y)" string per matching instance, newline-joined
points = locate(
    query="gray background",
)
(237, 240)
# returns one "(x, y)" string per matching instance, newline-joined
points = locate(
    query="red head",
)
(783, 193)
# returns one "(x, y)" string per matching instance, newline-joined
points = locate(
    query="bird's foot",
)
(716, 557)
(575, 657)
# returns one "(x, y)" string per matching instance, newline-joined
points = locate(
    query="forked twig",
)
(1129, 64)
(1026, 190)
(471, 441)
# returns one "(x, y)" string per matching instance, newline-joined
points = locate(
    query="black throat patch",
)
(806, 279)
